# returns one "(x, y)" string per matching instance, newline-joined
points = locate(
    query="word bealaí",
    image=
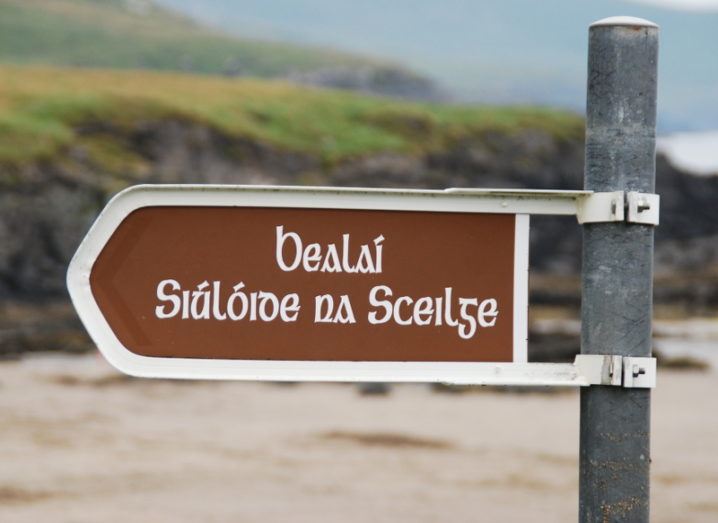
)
(291, 253)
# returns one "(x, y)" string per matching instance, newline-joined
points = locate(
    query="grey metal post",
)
(618, 268)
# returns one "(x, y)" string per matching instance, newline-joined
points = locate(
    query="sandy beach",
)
(81, 443)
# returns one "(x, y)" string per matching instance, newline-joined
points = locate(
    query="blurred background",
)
(97, 95)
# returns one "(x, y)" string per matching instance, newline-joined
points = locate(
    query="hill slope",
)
(139, 34)
(43, 110)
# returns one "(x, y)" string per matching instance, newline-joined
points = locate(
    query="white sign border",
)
(517, 372)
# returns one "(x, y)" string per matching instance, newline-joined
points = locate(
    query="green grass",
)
(111, 34)
(42, 108)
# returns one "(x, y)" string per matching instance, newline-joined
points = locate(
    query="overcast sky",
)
(683, 4)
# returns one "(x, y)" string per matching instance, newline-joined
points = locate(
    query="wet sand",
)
(80, 443)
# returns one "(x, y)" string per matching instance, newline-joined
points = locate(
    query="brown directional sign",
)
(176, 282)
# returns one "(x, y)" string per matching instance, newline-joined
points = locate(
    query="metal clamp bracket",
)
(618, 206)
(642, 208)
(639, 372)
(600, 207)
(621, 371)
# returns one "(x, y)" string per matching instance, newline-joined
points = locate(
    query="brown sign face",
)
(258, 283)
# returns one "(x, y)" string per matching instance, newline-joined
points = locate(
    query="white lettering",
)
(268, 297)
(197, 295)
(242, 297)
(423, 311)
(385, 304)
(492, 312)
(435, 311)
(289, 308)
(319, 303)
(281, 238)
(330, 258)
(464, 332)
(311, 258)
(160, 311)
(206, 302)
(345, 313)
(397, 310)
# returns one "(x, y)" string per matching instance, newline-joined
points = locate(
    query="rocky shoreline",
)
(47, 205)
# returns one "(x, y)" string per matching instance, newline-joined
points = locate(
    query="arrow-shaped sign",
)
(291, 283)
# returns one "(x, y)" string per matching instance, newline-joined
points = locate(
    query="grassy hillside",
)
(41, 110)
(139, 34)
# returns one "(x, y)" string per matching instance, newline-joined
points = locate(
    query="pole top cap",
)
(631, 21)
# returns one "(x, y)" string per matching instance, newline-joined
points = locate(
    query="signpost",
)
(618, 267)
(288, 283)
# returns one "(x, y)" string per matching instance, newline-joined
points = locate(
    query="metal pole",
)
(617, 279)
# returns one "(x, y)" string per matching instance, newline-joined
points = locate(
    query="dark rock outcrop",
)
(47, 206)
